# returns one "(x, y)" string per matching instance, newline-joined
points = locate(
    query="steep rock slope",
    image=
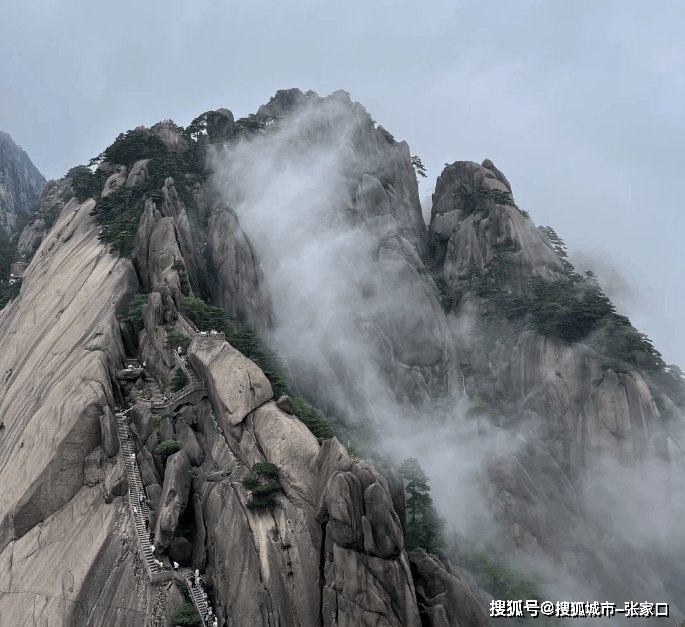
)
(21, 184)
(68, 546)
(579, 416)
(398, 321)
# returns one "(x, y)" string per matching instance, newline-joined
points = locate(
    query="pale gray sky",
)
(581, 104)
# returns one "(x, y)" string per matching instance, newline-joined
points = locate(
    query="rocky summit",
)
(232, 348)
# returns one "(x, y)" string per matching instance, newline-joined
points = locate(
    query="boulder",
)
(146, 464)
(166, 430)
(187, 413)
(108, 432)
(154, 494)
(381, 525)
(236, 384)
(93, 465)
(141, 425)
(116, 479)
(180, 551)
(285, 404)
(176, 489)
(288, 443)
(138, 175)
(151, 442)
(188, 442)
(243, 291)
(115, 181)
(444, 601)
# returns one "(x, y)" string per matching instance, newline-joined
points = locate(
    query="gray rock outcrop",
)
(236, 384)
(242, 289)
(21, 184)
(443, 598)
(188, 442)
(108, 432)
(176, 489)
(72, 314)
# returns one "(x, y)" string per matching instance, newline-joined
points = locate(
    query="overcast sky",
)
(580, 104)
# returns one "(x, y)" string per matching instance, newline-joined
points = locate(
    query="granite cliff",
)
(138, 262)
(21, 185)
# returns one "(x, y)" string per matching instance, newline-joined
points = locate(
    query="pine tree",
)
(424, 525)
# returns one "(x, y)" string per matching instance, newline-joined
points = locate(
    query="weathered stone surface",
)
(54, 390)
(93, 467)
(463, 237)
(360, 589)
(396, 487)
(138, 175)
(115, 181)
(180, 551)
(154, 495)
(142, 425)
(176, 488)
(166, 430)
(168, 133)
(146, 464)
(381, 524)
(443, 599)
(21, 184)
(355, 507)
(151, 442)
(288, 443)
(61, 572)
(242, 289)
(187, 414)
(116, 479)
(188, 442)
(236, 384)
(108, 432)
(285, 404)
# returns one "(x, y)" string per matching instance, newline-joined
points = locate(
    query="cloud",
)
(621, 289)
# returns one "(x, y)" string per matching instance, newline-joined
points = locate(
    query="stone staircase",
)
(135, 485)
(196, 595)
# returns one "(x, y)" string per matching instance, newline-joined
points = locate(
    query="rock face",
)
(21, 184)
(331, 550)
(471, 215)
(242, 289)
(443, 598)
(174, 498)
(67, 317)
(236, 384)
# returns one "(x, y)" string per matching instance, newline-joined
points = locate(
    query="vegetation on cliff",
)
(576, 310)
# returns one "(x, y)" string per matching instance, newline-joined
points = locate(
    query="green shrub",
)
(8, 292)
(97, 348)
(250, 482)
(319, 424)
(166, 449)
(187, 616)
(178, 381)
(270, 487)
(135, 312)
(286, 545)
(176, 339)
(266, 469)
(264, 501)
(183, 589)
